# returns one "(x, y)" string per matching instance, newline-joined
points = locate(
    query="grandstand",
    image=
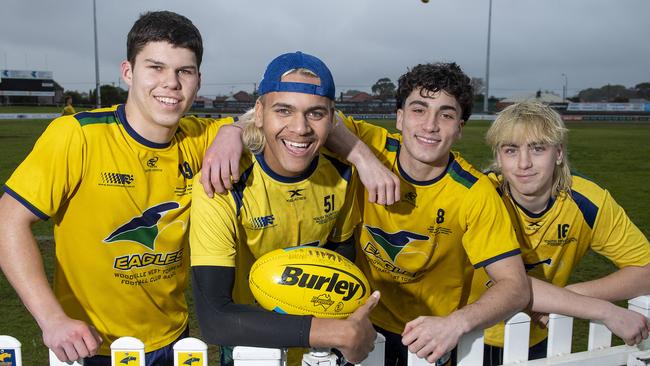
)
(29, 87)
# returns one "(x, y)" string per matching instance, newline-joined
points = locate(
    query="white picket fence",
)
(193, 352)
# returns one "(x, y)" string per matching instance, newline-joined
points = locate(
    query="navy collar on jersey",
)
(423, 182)
(280, 178)
(532, 215)
(121, 115)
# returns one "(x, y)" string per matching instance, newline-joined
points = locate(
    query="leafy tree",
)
(642, 90)
(112, 95)
(352, 92)
(384, 88)
(607, 93)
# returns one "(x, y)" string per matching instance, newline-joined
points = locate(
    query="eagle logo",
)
(143, 229)
(395, 242)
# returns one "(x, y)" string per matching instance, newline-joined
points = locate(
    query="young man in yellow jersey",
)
(419, 252)
(558, 216)
(289, 193)
(68, 108)
(116, 182)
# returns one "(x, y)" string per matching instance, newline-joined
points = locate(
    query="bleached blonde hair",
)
(531, 122)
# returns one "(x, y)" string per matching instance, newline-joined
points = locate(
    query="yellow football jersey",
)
(419, 252)
(553, 242)
(120, 206)
(266, 211)
(67, 110)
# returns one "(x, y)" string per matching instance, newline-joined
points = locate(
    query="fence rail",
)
(193, 352)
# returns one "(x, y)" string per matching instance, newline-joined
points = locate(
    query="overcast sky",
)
(534, 42)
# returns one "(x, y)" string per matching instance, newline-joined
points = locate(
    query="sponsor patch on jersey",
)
(559, 242)
(295, 195)
(111, 179)
(262, 222)
(324, 219)
(142, 229)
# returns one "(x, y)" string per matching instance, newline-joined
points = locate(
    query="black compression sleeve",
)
(225, 323)
(345, 248)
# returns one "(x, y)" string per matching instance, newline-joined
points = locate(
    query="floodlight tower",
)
(565, 87)
(487, 62)
(98, 93)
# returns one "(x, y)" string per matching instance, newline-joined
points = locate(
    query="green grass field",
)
(613, 154)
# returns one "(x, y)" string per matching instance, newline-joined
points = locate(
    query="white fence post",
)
(191, 352)
(54, 361)
(560, 333)
(10, 351)
(515, 338)
(128, 351)
(641, 305)
(470, 349)
(258, 356)
(599, 336)
(376, 357)
(319, 358)
(414, 360)
(641, 358)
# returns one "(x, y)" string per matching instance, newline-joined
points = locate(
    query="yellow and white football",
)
(308, 281)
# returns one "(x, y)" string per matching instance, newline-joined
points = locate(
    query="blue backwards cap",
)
(297, 60)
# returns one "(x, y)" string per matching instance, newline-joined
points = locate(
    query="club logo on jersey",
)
(151, 165)
(143, 229)
(296, 195)
(262, 222)
(394, 243)
(116, 180)
(374, 255)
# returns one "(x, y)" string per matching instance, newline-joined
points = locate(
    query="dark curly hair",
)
(163, 26)
(436, 77)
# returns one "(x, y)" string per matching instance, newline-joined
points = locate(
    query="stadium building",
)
(29, 87)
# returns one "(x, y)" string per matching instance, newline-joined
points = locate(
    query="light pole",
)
(565, 87)
(97, 89)
(487, 62)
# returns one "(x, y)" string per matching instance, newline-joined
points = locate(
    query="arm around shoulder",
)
(383, 186)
